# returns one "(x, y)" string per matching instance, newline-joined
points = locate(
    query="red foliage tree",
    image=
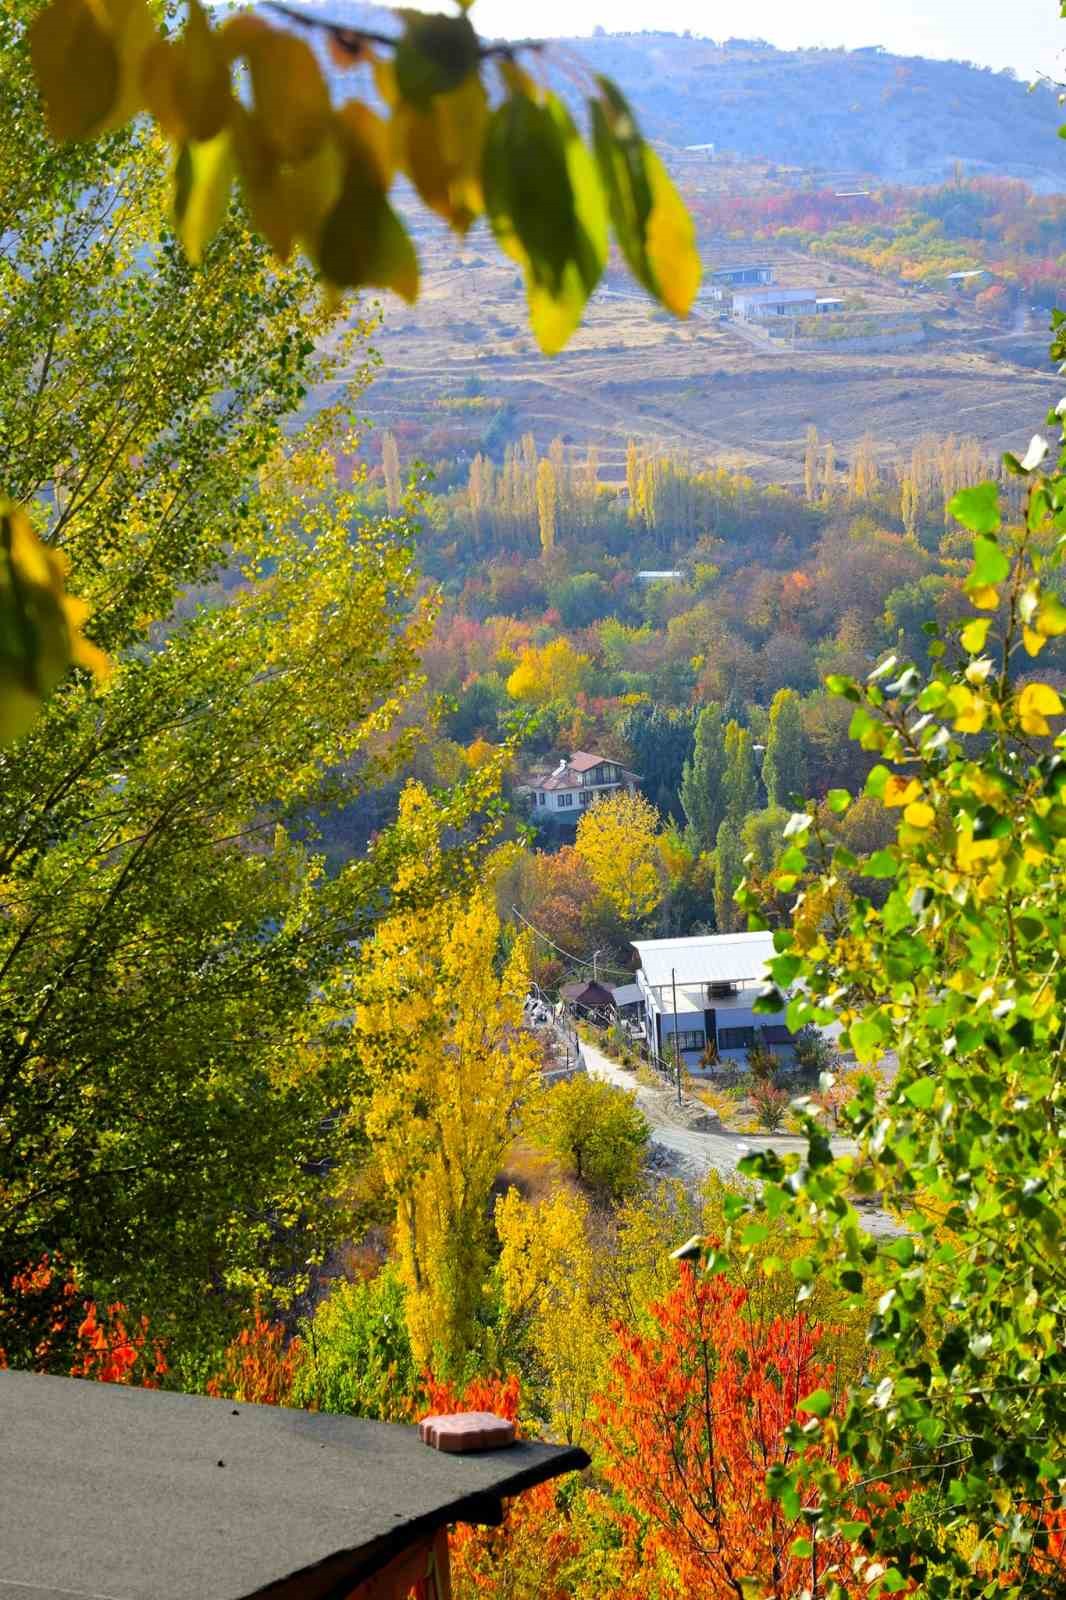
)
(111, 1351)
(528, 1554)
(259, 1365)
(694, 1416)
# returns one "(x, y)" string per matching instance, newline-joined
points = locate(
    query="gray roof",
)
(134, 1494)
(707, 958)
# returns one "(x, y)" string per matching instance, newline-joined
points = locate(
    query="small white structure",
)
(763, 305)
(576, 784)
(825, 305)
(660, 577)
(701, 991)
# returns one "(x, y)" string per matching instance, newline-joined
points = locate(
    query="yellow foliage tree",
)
(439, 1034)
(553, 672)
(548, 1284)
(547, 506)
(618, 840)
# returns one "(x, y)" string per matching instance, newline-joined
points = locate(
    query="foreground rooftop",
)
(114, 1493)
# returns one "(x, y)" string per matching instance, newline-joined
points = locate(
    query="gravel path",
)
(692, 1153)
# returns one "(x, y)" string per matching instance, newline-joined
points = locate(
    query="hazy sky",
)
(1025, 34)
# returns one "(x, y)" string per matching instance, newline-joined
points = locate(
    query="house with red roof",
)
(576, 784)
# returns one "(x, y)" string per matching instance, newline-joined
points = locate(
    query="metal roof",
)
(707, 958)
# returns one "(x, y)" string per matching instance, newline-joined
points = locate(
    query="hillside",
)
(899, 118)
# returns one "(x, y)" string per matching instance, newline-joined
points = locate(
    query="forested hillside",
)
(297, 1107)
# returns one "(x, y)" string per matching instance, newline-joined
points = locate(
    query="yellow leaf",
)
(1051, 617)
(40, 624)
(186, 81)
(1033, 642)
(971, 711)
(974, 635)
(76, 64)
(973, 853)
(1036, 703)
(985, 597)
(374, 134)
(919, 815)
(439, 147)
(671, 241)
(203, 179)
(290, 93)
(901, 791)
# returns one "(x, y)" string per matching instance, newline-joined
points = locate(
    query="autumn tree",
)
(617, 841)
(598, 1130)
(552, 1304)
(703, 780)
(165, 933)
(697, 1411)
(552, 672)
(547, 506)
(390, 466)
(438, 1041)
(811, 453)
(784, 767)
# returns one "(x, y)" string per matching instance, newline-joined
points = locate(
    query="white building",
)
(576, 784)
(763, 305)
(704, 990)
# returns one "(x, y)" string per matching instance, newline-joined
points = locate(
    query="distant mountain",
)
(902, 118)
(899, 118)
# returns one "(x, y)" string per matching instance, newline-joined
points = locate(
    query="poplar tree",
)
(390, 466)
(728, 871)
(784, 768)
(741, 787)
(547, 506)
(703, 780)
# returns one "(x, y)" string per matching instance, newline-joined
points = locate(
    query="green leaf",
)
(651, 223)
(990, 565)
(819, 1403)
(547, 210)
(838, 801)
(363, 241)
(921, 1094)
(977, 508)
(435, 55)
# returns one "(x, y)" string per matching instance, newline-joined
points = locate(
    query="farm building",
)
(762, 305)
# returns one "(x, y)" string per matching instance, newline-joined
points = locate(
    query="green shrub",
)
(359, 1356)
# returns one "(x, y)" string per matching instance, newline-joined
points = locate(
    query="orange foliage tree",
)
(694, 1416)
(259, 1365)
(115, 1349)
(529, 1553)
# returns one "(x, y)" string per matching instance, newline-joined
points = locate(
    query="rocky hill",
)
(904, 119)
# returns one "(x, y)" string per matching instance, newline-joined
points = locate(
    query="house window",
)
(736, 1038)
(565, 800)
(692, 1040)
(542, 798)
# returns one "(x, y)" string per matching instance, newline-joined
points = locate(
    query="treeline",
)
(917, 235)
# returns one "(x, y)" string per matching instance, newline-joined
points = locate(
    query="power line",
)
(569, 954)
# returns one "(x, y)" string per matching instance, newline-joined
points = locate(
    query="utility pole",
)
(677, 1049)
